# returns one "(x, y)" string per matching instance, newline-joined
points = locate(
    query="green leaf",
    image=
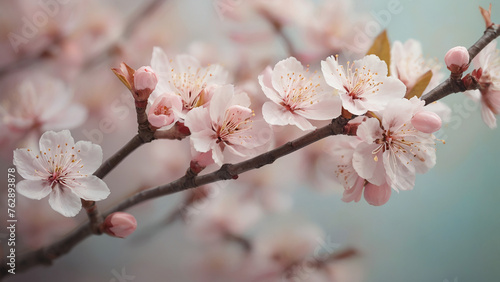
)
(419, 87)
(382, 48)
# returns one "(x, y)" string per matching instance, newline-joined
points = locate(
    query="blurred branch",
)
(27, 61)
(278, 29)
(454, 85)
(132, 24)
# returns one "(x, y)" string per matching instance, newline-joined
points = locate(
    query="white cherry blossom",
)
(226, 124)
(392, 150)
(297, 95)
(63, 170)
(363, 85)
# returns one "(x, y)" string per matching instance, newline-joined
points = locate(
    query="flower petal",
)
(275, 114)
(368, 165)
(90, 155)
(199, 123)
(220, 102)
(400, 176)
(160, 64)
(377, 195)
(369, 130)
(327, 107)
(354, 193)
(50, 140)
(64, 201)
(265, 81)
(91, 188)
(34, 189)
(28, 166)
(333, 73)
(282, 71)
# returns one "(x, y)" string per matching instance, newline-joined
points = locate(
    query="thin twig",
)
(450, 86)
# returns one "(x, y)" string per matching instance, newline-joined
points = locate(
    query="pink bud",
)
(377, 195)
(145, 81)
(119, 224)
(457, 59)
(426, 121)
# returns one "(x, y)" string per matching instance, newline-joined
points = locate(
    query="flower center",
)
(299, 91)
(162, 110)
(236, 122)
(358, 81)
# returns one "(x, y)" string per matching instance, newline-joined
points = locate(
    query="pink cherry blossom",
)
(489, 93)
(297, 95)
(184, 76)
(41, 103)
(63, 170)
(363, 86)
(165, 110)
(226, 124)
(393, 150)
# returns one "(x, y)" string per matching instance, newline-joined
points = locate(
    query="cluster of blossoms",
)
(386, 145)
(388, 142)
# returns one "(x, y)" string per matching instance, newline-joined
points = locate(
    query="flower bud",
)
(457, 59)
(119, 224)
(125, 74)
(377, 195)
(426, 121)
(145, 81)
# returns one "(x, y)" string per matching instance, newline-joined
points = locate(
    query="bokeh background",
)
(446, 229)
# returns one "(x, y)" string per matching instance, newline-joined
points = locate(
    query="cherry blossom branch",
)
(93, 213)
(145, 135)
(46, 255)
(231, 171)
(456, 84)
